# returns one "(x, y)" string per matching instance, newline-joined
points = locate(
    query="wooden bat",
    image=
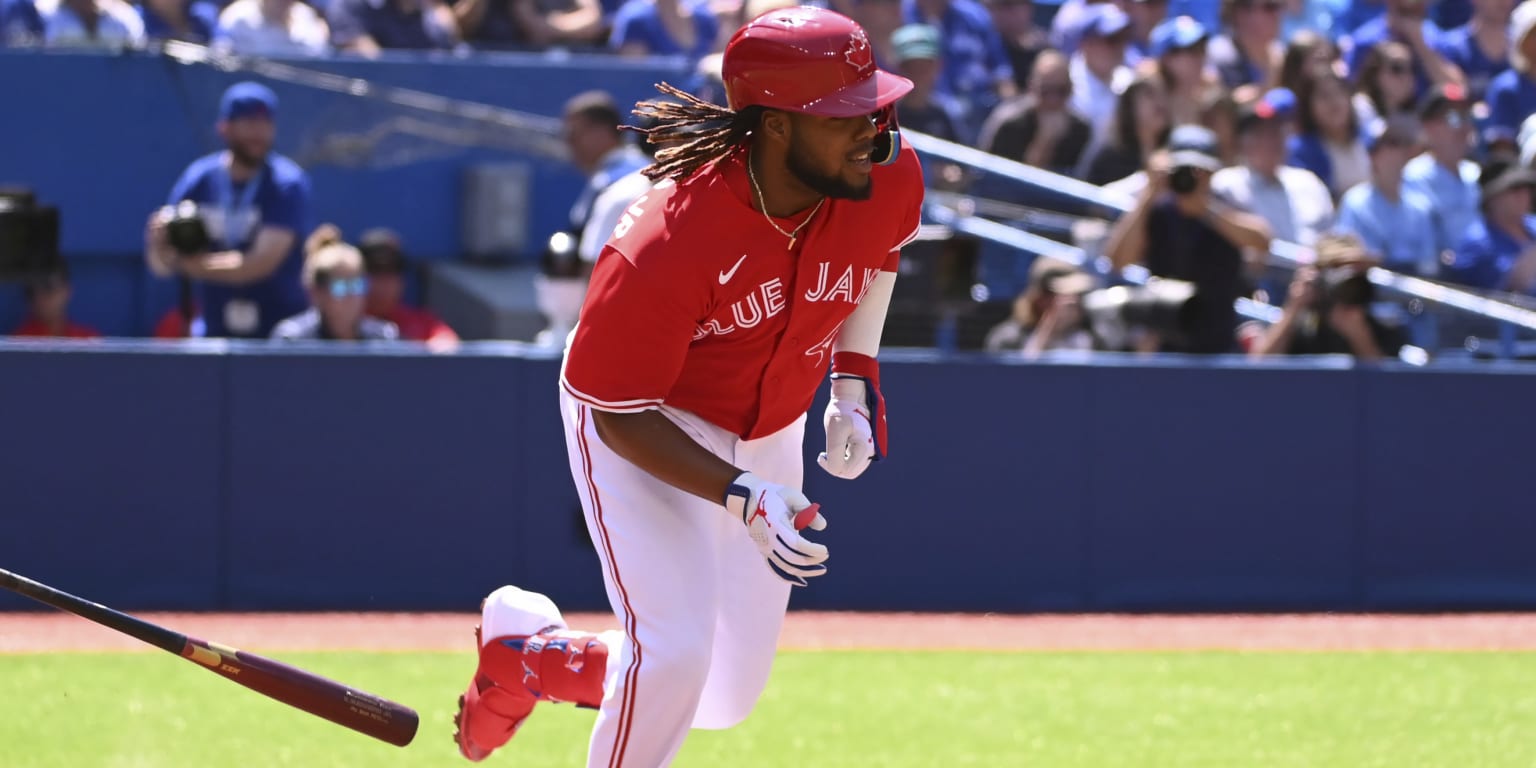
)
(343, 705)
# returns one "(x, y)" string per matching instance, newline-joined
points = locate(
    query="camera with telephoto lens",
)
(185, 229)
(1346, 285)
(1167, 307)
(1183, 180)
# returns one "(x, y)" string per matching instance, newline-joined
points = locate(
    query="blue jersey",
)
(277, 197)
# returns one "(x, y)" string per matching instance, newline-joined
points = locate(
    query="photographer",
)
(1328, 309)
(1179, 230)
(233, 223)
(1048, 315)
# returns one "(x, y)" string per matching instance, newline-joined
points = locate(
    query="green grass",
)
(828, 710)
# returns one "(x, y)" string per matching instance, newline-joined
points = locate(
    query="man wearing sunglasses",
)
(1442, 173)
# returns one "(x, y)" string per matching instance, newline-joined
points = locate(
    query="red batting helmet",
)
(809, 60)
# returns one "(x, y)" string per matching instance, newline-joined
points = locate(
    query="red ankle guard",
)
(558, 665)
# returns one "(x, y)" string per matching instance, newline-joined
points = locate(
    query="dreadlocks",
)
(692, 132)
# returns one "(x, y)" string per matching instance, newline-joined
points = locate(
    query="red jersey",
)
(696, 301)
(32, 327)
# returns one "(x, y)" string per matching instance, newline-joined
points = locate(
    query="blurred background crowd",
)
(1372, 133)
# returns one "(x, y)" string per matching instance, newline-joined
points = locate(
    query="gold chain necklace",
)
(764, 206)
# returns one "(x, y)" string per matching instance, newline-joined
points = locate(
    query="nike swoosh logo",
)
(725, 276)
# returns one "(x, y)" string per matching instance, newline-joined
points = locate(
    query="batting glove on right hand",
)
(774, 515)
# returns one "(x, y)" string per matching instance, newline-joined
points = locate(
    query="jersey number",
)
(628, 220)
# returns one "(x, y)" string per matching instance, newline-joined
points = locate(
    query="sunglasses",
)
(1056, 91)
(345, 287)
(1398, 67)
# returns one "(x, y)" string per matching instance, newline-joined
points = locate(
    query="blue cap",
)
(1176, 34)
(1194, 145)
(248, 99)
(1104, 20)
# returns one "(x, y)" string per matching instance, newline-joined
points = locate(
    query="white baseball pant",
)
(700, 608)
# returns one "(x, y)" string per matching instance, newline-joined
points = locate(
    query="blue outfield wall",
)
(212, 477)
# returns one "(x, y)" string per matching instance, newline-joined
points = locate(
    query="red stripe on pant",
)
(631, 676)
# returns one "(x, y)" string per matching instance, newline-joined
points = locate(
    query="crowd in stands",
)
(1400, 125)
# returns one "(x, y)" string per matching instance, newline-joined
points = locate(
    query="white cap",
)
(1521, 23)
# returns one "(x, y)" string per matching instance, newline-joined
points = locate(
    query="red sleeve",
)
(439, 331)
(636, 325)
(908, 178)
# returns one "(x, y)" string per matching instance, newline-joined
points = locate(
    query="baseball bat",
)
(341, 704)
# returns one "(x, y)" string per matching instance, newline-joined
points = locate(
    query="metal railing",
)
(1509, 318)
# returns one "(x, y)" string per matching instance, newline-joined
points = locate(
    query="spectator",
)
(47, 296)
(1178, 47)
(253, 203)
(1293, 201)
(925, 108)
(1022, 40)
(1386, 83)
(1480, 48)
(1406, 22)
(333, 276)
(192, 21)
(1327, 140)
(1218, 112)
(19, 24)
(664, 28)
(368, 27)
(1499, 250)
(89, 23)
(1038, 128)
(1393, 221)
(1099, 73)
(1512, 93)
(1047, 315)
(1251, 53)
(1179, 230)
(1306, 54)
(598, 149)
(975, 69)
(1327, 310)
(523, 24)
(1140, 126)
(1145, 16)
(384, 263)
(272, 28)
(1442, 174)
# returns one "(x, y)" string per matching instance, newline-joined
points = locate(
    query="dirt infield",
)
(44, 632)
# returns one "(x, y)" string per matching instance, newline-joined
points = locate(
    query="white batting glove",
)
(850, 439)
(774, 515)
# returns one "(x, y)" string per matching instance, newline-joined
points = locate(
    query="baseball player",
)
(765, 254)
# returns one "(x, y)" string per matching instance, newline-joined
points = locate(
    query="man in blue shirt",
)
(1443, 174)
(1499, 251)
(1394, 222)
(1479, 48)
(1512, 93)
(254, 206)
(975, 69)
